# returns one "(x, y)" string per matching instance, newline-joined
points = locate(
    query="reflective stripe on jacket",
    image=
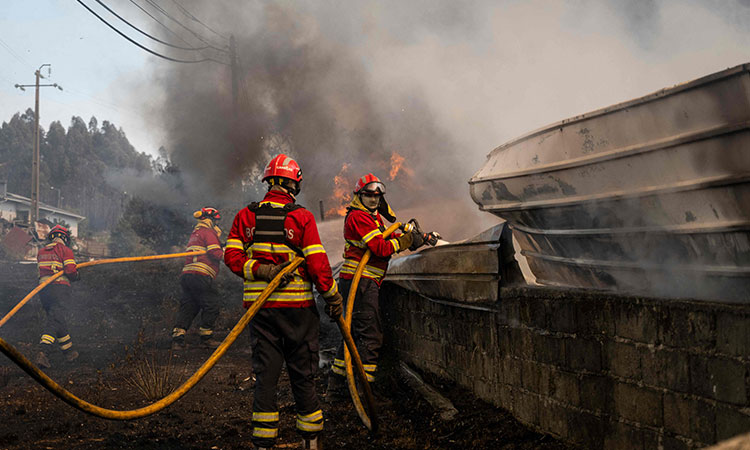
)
(53, 258)
(243, 256)
(362, 231)
(203, 238)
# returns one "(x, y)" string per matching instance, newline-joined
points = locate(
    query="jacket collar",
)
(206, 223)
(203, 223)
(278, 197)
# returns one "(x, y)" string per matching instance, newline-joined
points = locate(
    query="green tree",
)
(76, 161)
(149, 225)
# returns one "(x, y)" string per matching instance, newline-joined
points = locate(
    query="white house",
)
(16, 208)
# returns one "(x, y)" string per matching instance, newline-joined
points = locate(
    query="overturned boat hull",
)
(649, 196)
(470, 271)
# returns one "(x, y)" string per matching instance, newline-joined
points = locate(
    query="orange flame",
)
(397, 165)
(340, 196)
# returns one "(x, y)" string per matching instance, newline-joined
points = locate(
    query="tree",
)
(146, 224)
(76, 162)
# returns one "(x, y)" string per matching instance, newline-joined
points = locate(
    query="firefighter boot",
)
(178, 339)
(312, 444)
(337, 390)
(42, 361)
(209, 342)
(207, 338)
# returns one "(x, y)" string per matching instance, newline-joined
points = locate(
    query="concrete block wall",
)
(596, 370)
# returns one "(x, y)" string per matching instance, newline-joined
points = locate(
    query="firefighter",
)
(54, 257)
(197, 279)
(363, 230)
(264, 237)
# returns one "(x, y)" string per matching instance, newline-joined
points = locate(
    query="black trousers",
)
(197, 295)
(278, 336)
(53, 298)
(367, 328)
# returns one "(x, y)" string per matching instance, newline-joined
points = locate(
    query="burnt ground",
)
(120, 319)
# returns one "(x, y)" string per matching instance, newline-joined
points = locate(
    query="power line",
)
(197, 36)
(141, 46)
(159, 22)
(143, 32)
(187, 13)
(14, 54)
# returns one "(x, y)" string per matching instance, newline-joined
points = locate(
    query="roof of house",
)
(42, 206)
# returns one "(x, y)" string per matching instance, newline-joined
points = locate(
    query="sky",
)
(487, 71)
(95, 67)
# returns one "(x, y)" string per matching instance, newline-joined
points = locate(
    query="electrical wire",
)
(197, 36)
(143, 47)
(144, 33)
(14, 54)
(159, 22)
(187, 13)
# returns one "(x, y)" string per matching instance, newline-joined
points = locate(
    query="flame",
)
(397, 165)
(340, 196)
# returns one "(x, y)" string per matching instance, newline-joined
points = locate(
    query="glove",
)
(417, 241)
(268, 272)
(334, 306)
(404, 241)
(75, 277)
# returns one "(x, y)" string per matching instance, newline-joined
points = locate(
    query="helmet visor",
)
(375, 187)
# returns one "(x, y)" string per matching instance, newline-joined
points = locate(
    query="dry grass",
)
(153, 376)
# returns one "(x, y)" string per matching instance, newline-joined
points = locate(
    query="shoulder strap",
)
(292, 207)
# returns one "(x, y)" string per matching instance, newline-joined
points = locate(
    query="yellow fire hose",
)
(371, 421)
(49, 280)
(155, 407)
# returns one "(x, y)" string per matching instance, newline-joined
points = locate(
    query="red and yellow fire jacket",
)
(243, 255)
(204, 237)
(364, 230)
(53, 258)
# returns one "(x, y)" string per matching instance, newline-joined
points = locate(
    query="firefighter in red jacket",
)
(54, 257)
(363, 230)
(196, 280)
(264, 237)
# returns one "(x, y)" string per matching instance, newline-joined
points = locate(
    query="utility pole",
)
(234, 68)
(34, 213)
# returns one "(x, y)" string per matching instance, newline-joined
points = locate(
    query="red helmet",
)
(283, 166)
(369, 183)
(61, 232)
(207, 213)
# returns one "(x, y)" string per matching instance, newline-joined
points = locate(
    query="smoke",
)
(303, 93)
(438, 82)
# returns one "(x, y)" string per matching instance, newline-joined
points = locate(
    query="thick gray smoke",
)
(355, 84)
(303, 93)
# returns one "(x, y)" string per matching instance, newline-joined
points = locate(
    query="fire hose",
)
(345, 326)
(49, 280)
(157, 406)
